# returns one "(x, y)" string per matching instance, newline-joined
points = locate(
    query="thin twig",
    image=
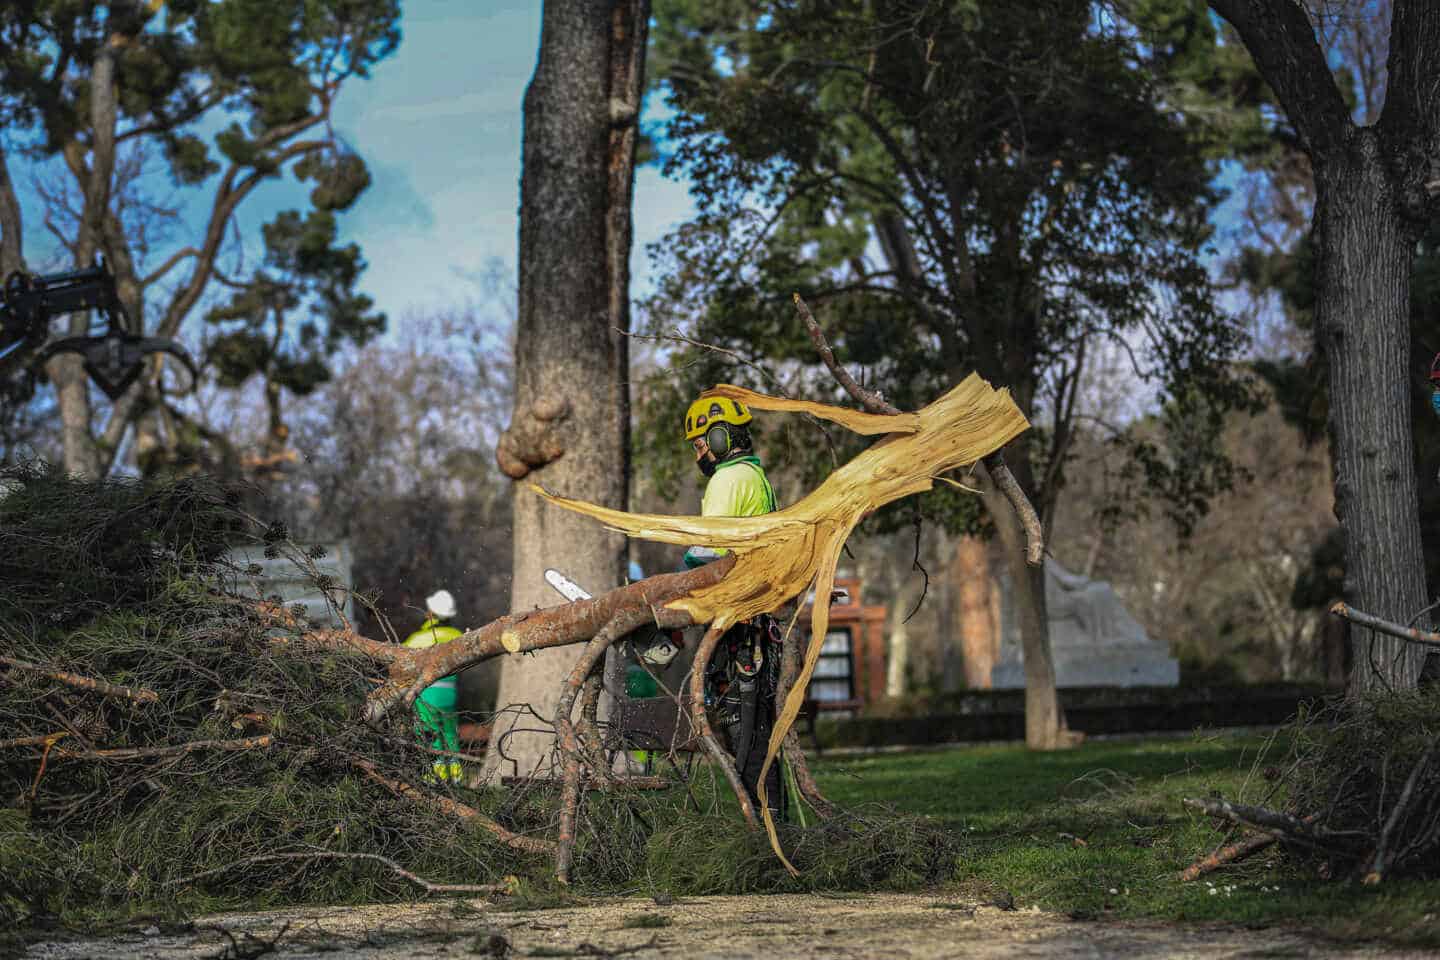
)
(917, 565)
(39, 740)
(453, 807)
(1379, 863)
(738, 357)
(427, 885)
(94, 685)
(179, 749)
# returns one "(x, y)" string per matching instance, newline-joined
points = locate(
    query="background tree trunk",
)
(1362, 321)
(1375, 189)
(1044, 720)
(567, 425)
(975, 626)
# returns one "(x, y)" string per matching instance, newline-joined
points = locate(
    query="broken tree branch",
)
(701, 722)
(1234, 852)
(94, 685)
(179, 749)
(1380, 862)
(585, 674)
(772, 560)
(1413, 634)
(1299, 829)
(453, 807)
(1230, 853)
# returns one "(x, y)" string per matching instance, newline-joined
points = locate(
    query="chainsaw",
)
(114, 359)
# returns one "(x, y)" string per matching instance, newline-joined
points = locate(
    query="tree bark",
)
(1372, 197)
(629, 30)
(12, 239)
(978, 634)
(566, 427)
(1362, 321)
(1044, 720)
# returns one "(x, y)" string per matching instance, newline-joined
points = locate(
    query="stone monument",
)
(1094, 640)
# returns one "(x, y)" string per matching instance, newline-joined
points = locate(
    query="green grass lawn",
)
(1099, 832)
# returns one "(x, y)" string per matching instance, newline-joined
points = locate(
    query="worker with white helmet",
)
(436, 719)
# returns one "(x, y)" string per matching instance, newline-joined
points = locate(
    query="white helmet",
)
(441, 604)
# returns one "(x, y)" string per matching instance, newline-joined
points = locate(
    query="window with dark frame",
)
(834, 678)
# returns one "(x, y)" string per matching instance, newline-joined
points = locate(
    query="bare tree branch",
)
(1282, 42)
(1413, 634)
(102, 687)
(165, 267)
(995, 463)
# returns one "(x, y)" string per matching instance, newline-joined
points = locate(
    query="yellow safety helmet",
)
(708, 411)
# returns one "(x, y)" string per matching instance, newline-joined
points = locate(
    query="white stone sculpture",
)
(1094, 640)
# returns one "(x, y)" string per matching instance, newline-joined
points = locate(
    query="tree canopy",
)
(229, 94)
(960, 186)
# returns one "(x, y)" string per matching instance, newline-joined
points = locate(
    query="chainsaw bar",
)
(566, 587)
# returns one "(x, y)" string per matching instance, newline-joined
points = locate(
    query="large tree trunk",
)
(567, 426)
(1044, 720)
(975, 624)
(1362, 321)
(629, 28)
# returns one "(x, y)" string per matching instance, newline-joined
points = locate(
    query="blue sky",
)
(439, 124)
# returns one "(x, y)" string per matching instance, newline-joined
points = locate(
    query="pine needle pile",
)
(1361, 788)
(170, 745)
(160, 743)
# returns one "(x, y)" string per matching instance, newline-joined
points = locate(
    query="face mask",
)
(706, 465)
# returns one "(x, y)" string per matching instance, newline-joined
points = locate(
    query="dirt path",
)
(904, 927)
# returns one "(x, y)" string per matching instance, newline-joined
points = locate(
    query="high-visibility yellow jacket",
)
(738, 488)
(441, 693)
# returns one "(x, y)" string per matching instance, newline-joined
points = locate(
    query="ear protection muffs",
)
(717, 438)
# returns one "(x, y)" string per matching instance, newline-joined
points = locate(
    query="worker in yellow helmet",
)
(719, 432)
(435, 716)
(745, 670)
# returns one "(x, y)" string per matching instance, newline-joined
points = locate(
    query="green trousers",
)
(437, 721)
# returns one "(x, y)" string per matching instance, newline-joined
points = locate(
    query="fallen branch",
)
(39, 740)
(1379, 625)
(1380, 861)
(92, 684)
(1231, 853)
(1286, 826)
(772, 560)
(179, 749)
(427, 885)
(452, 807)
(585, 674)
(631, 606)
(701, 723)
(792, 656)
